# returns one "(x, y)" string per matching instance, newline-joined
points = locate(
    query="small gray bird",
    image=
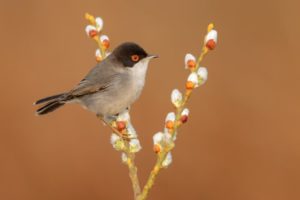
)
(110, 87)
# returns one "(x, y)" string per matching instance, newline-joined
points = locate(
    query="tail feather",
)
(51, 103)
(49, 107)
(46, 99)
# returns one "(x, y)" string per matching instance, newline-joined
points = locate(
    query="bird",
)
(109, 88)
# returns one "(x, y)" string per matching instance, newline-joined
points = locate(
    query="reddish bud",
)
(156, 148)
(211, 44)
(106, 44)
(169, 124)
(189, 85)
(184, 118)
(93, 33)
(121, 125)
(98, 59)
(191, 64)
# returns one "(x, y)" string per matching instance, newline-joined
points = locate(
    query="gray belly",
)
(120, 94)
(112, 101)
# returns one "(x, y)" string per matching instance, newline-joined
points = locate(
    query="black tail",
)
(52, 103)
(49, 107)
(47, 99)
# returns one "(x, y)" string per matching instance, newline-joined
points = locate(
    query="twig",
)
(130, 161)
(133, 175)
(162, 155)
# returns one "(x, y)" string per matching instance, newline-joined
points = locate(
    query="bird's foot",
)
(109, 121)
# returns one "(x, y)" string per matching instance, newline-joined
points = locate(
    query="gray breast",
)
(122, 91)
(116, 98)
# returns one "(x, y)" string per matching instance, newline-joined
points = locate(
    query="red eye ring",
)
(135, 58)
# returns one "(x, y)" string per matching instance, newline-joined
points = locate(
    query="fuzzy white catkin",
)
(188, 57)
(170, 116)
(212, 35)
(97, 53)
(158, 137)
(203, 74)
(135, 145)
(114, 138)
(193, 77)
(131, 131)
(124, 157)
(99, 23)
(104, 37)
(123, 116)
(176, 97)
(89, 28)
(185, 112)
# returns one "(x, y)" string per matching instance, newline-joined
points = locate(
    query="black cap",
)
(129, 53)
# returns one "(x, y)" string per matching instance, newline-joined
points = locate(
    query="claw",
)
(125, 137)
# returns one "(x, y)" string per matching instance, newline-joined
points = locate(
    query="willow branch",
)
(162, 155)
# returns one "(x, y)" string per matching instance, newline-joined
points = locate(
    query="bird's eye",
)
(135, 58)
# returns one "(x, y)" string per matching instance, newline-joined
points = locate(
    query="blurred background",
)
(242, 140)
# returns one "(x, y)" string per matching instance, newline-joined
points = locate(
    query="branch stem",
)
(130, 162)
(133, 174)
(162, 155)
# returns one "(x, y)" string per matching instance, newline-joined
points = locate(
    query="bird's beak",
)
(152, 56)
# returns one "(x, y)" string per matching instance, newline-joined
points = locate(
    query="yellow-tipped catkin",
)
(210, 27)
(90, 18)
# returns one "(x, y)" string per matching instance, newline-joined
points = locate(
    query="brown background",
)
(243, 137)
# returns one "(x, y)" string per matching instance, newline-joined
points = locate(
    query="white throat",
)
(139, 70)
(138, 74)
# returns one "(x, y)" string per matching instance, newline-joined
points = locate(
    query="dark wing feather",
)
(86, 89)
(98, 79)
